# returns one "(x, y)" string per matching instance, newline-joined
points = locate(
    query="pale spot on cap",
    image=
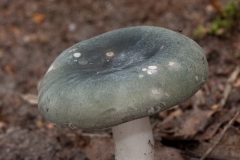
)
(77, 54)
(171, 63)
(152, 67)
(149, 71)
(109, 54)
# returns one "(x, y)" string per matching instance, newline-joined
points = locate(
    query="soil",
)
(33, 33)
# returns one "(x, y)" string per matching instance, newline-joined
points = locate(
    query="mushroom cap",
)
(120, 76)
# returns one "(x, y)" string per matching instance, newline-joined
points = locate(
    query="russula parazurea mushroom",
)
(119, 79)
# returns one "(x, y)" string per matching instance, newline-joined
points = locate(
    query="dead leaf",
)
(99, 149)
(214, 107)
(15, 30)
(218, 119)
(9, 69)
(15, 102)
(169, 125)
(166, 153)
(40, 124)
(195, 122)
(237, 84)
(50, 126)
(38, 18)
(82, 141)
(30, 98)
(227, 148)
(185, 125)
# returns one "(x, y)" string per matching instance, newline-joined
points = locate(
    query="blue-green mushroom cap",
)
(120, 76)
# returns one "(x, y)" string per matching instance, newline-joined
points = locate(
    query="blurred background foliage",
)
(226, 19)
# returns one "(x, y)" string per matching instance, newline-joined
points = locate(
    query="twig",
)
(231, 80)
(197, 155)
(95, 135)
(216, 7)
(30, 98)
(220, 136)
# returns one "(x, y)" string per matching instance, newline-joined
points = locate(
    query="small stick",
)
(30, 98)
(231, 80)
(216, 7)
(220, 136)
(95, 135)
(197, 155)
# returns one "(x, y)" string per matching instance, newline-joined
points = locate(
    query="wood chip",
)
(38, 18)
(50, 126)
(231, 80)
(30, 98)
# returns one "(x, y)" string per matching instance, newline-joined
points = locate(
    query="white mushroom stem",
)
(134, 140)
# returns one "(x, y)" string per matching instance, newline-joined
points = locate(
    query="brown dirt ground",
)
(33, 33)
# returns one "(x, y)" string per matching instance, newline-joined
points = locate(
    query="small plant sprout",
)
(225, 20)
(119, 79)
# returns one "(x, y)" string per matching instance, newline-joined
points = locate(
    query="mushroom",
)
(119, 79)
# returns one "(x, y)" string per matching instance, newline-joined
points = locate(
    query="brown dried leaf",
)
(15, 30)
(99, 148)
(15, 102)
(185, 125)
(218, 119)
(196, 121)
(166, 153)
(227, 148)
(9, 69)
(169, 124)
